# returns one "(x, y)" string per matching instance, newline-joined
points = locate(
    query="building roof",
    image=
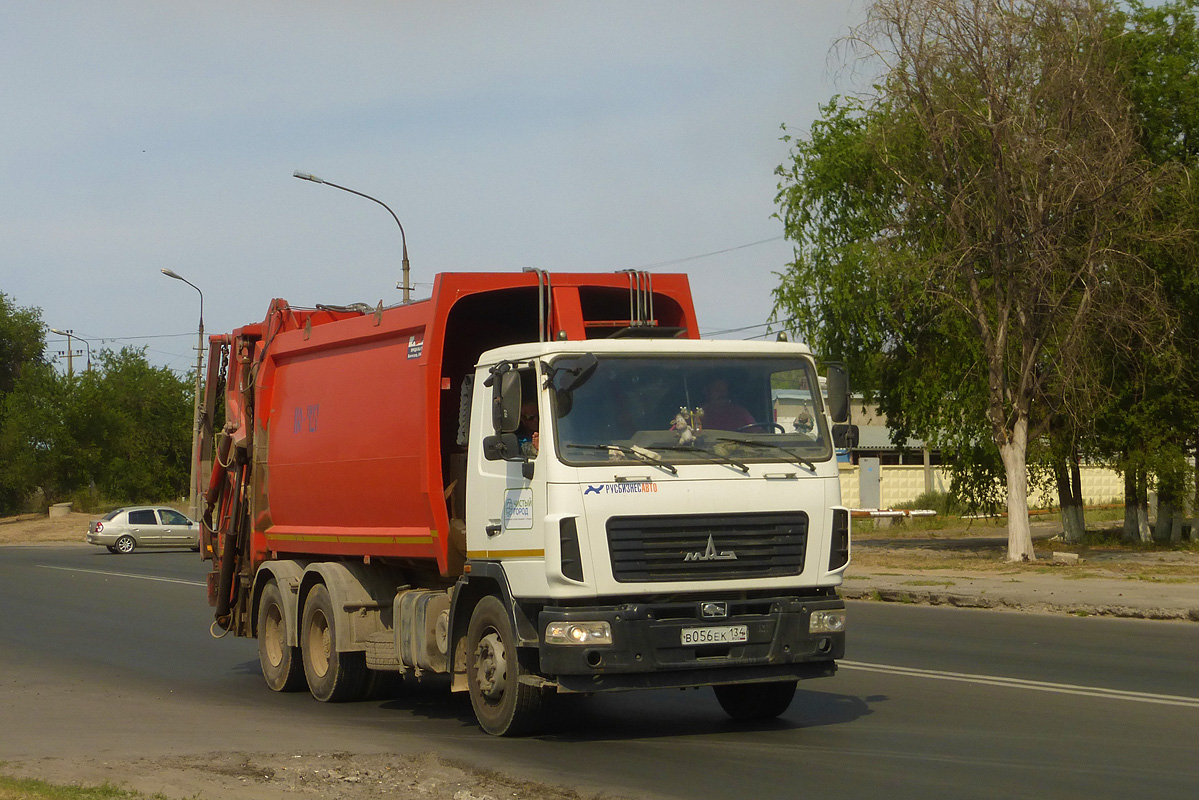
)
(878, 437)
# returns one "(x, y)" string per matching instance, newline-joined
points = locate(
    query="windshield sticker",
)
(621, 488)
(518, 509)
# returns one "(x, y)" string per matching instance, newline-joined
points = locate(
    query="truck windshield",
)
(735, 411)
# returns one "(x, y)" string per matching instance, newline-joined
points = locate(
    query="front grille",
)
(699, 546)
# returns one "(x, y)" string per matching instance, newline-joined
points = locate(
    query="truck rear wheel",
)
(282, 665)
(333, 677)
(755, 701)
(503, 705)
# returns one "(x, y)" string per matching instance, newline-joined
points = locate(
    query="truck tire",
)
(282, 665)
(755, 701)
(333, 677)
(503, 705)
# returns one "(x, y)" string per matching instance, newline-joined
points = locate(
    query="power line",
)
(151, 336)
(782, 323)
(706, 255)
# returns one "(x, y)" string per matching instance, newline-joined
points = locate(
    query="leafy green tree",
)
(36, 449)
(22, 353)
(965, 233)
(139, 417)
(123, 427)
(1153, 411)
(21, 341)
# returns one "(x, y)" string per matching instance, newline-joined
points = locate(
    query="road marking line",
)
(125, 575)
(1020, 683)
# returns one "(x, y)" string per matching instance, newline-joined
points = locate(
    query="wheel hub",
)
(491, 672)
(319, 645)
(273, 637)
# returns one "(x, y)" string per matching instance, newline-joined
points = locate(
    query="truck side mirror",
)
(501, 447)
(838, 393)
(845, 437)
(574, 372)
(505, 402)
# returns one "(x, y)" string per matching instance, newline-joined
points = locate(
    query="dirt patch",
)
(41, 529)
(328, 776)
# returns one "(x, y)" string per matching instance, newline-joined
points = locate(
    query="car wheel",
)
(333, 677)
(503, 704)
(125, 545)
(282, 665)
(755, 701)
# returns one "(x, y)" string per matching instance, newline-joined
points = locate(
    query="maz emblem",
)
(710, 554)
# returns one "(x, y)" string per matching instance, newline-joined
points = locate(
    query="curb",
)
(924, 597)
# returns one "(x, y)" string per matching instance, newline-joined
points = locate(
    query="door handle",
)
(492, 530)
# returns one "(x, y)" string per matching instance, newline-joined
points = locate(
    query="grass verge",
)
(31, 789)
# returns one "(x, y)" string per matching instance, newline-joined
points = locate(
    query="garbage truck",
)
(531, 483)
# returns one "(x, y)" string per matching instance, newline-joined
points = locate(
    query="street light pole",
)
(405, 285)
(193, 500)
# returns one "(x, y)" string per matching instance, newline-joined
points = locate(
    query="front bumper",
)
(647, 650)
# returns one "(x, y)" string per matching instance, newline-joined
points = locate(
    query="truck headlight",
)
(827, 622)
(578, 633)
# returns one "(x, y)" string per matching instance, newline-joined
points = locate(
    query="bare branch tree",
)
(1021, 186)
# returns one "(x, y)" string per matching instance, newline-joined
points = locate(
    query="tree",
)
(123, 427)
(1154, 411)
(140, 417)
(21, 341)
(998, 193)
(22, 353)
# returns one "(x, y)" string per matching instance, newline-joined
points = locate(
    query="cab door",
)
(504, 508)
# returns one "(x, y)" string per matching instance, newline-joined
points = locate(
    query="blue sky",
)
(565, 136)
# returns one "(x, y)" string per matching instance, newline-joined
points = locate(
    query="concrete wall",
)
(902, 484)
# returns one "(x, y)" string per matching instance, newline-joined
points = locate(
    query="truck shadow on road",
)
(625, 716)
(637, 715)
(664, 714)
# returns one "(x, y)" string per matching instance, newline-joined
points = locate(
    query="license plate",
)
(728, 634)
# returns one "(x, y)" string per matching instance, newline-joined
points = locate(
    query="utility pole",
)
(69, 333)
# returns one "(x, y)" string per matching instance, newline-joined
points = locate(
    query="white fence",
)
(903, 484)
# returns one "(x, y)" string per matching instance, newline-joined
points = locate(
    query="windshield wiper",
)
(796, 457)
(640, 452)
(717, 457)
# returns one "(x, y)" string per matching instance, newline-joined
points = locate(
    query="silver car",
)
(126, 529)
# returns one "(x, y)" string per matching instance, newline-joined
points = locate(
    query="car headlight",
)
(827, 621)
(578, 633)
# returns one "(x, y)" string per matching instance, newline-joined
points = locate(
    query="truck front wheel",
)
(333, 677)
(503, 705)
(755, 701)
(282, 666)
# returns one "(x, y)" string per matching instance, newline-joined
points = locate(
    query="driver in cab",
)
(720, 412)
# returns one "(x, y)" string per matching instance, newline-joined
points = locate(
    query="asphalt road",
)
(110, 657)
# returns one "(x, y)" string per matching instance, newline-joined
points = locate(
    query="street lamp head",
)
(172, 274)
(405, 285)
(60, 333)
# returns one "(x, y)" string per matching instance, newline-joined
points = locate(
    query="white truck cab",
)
(678, 522)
